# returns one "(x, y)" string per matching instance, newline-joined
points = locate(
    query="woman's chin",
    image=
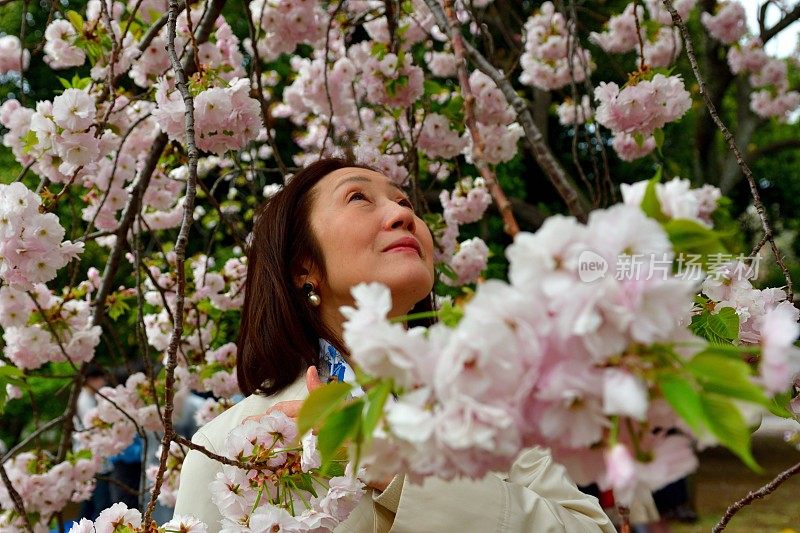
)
(411, 287)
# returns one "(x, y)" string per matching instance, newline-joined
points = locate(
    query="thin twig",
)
(729, 138)
(764, 491)
(24, 442)
(541, 151)
(19, 505)
(329, 130)
(503, 205)
(266, 118)
(180, 251)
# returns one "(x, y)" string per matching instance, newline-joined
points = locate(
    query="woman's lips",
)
(404, 244)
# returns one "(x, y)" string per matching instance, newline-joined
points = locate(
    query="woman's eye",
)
(357, 196)
(405, 202)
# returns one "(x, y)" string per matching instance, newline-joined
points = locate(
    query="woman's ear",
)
(306, 273)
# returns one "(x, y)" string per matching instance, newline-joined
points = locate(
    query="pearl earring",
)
(313, 297)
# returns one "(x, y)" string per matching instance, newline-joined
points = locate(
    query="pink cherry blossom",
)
(677, 199)
(468, 262)
(118, 515)
(748, 57)
(620, 35)
(468, 201)
(73, 110)
(781, 358)
(642, 107)
(628, 148)
(570, 113)
(60, 50)
(546, 62)
(729, 23)
(11, 54)
(437, 139)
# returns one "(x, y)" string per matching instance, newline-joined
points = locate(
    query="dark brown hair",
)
(280, 331)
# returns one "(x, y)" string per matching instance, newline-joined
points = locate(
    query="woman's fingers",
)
(312, 379)
(291, 408)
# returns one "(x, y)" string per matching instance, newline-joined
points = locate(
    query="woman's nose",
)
(399, 217)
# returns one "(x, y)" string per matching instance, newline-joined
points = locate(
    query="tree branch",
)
(503, 205)
(770, 149)
(764, 491)
(180, 69)
(576, 204)
(787, 20)
(765, 224)
(19, 505)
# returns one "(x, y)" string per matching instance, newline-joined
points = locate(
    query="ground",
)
(722, 479)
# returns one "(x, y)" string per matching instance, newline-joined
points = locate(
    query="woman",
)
(335, 225)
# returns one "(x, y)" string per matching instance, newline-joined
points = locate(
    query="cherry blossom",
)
(11, 54)
(729, 23)
(32, 249)
(226, 118)
(546, 63)
(642, 107)
(677, 199)
(570, 113)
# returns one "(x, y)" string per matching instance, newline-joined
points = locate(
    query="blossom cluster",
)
(40, 327)
(728, 24)
(112, 425)
(560, 354)
(45, 486)
(32, 245)
(466, 204)
(553, 58)
(677, 199)
(768, 75)
(260, 496)
(571, 113)
(286, 24)
(575, 372)
(657, 43)
(119, 518)
(226, 118)
(65, 137)
(12, 57)
(766, 318)
(641, 107)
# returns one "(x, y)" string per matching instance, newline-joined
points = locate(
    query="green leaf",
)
(29, 141)
(376, 399)
(779, 405)
(650, 204)
(117, 307)
(337, 428)
(379, 50)
(450, 314)
(303, 481)
(727, 424)
(691, 237)
(719, 328)
(658, 135)
(320, 404)
(76, 20)
(723, 375)
(681, 394)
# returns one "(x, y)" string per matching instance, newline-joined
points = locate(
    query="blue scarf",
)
(332, 365)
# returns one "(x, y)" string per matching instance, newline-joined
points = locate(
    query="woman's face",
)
(367, 231)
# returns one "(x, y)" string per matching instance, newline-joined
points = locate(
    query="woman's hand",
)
(291, 408)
